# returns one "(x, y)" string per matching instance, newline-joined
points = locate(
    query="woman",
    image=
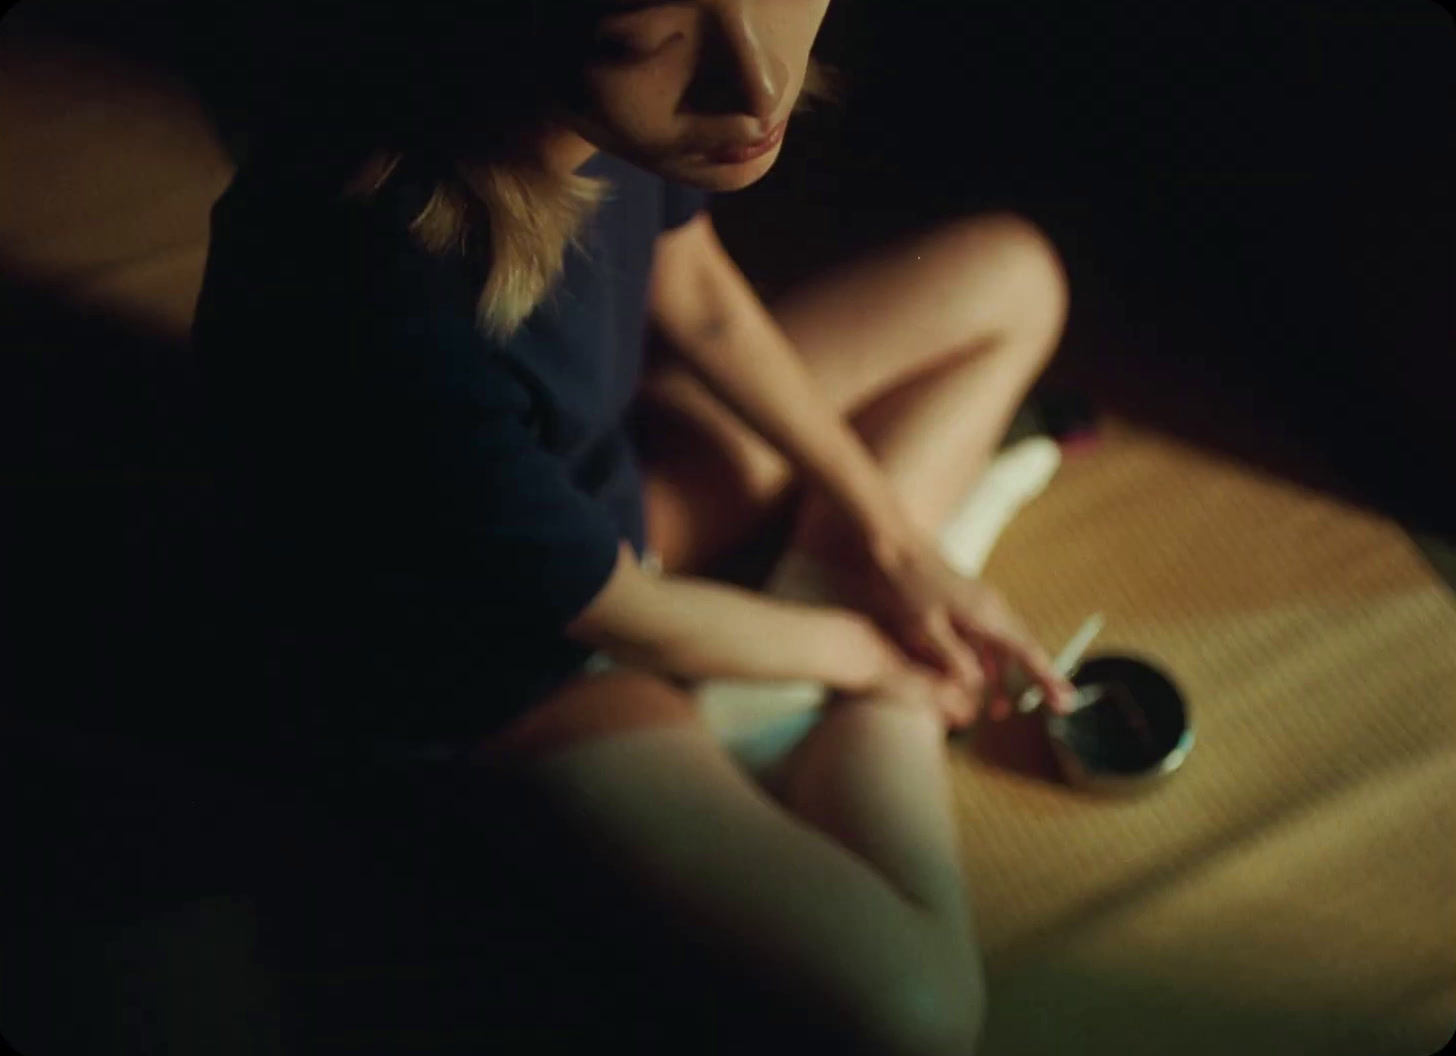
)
(423, 326)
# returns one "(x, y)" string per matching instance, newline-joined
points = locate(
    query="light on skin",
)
(666, 84)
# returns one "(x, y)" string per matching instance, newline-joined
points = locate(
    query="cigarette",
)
(1066, 661)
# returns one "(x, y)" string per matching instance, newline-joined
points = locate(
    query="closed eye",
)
(626, 51)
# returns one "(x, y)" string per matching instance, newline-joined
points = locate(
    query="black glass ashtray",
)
(1131, 728)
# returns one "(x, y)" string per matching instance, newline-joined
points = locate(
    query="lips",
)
(738, 155)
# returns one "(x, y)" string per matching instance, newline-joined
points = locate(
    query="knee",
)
(944, 1016)
(1037, 291)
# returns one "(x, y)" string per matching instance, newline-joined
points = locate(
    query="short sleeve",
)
(497, 514)
(409, 551)
(680, 204)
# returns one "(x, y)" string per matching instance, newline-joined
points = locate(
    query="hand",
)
(915, 685)
(961, 626)
(874, 665)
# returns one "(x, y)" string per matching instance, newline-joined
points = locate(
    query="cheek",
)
(642, 115)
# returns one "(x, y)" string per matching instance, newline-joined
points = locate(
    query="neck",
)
(563, 151)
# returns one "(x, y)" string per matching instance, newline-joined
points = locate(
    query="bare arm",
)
(698, 629)
(703, 303)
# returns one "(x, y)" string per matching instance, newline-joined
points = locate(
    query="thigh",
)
(455, 905)
(671, 827)
(653, 891)
(870, 324)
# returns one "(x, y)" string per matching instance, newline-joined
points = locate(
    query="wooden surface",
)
(1290, 889)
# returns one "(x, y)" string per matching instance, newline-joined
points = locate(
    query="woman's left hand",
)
(955, 622)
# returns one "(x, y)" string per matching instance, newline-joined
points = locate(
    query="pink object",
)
(1079, 442)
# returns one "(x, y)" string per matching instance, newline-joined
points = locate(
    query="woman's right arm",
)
(699, 629)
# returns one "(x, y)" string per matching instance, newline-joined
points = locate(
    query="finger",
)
(970, 708)
(966, 664)
(955, 704)
(1005, 633)
(966, 701)
(961, 657)
(993, 694)
(1000, 706)
(996, 702)
(1060, 693)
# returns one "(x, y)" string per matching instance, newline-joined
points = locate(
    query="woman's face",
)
(696, 91)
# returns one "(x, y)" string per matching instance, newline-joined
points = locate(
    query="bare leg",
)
(936, 434)
(869, 774)
(902, 344)
(873, 775)
(855, 923)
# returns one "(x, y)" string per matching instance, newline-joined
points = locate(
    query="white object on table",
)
(1066, 662)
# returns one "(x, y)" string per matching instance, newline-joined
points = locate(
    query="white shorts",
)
(757, 722)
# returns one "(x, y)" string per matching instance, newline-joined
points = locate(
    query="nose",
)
(743, 74)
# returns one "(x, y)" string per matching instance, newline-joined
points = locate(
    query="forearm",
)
(723, 332)
(752, 368)
(700, 629)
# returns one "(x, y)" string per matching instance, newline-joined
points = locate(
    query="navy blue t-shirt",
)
(420, 510)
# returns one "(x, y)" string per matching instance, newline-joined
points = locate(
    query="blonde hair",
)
(525, 217)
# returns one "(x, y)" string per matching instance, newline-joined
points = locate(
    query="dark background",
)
(1254, 199)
